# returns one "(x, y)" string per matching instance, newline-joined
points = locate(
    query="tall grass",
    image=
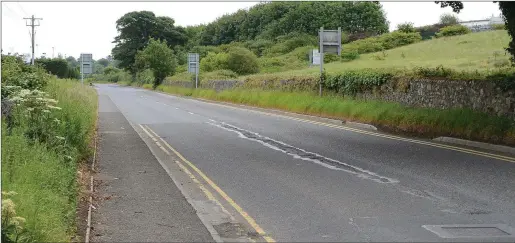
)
(45, 181)
(427, 122)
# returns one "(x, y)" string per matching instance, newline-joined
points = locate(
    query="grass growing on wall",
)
(463, 123)
(45, 181)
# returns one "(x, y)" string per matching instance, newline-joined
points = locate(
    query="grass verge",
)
(45, 182)
(393, 117)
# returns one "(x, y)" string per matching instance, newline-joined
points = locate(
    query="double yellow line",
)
(437, 145)
(159, 142)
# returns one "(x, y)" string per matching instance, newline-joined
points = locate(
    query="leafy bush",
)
(204, 50)
(145, 77)
(214, 61)
(349, 55)
(396, 39)
(159, 58)
(290, 42)
(259, 46)
(427, 32)
(352, 82)
(453, 30)
(498, 26)
(330, 57)
(242, 61)
(406, 27)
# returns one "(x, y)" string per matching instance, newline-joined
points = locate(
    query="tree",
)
(270, 20)
(135, 31)
(508, 12)
(159, 58)
(103, 61)
(406, 27)
(448, 19)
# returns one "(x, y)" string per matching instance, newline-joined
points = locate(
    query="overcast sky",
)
(89, 27)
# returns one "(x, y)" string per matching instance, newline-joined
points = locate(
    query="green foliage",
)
(349, 55)
(448, 19)
(218, 75)
(270, 20)
(427, 32)
(406, 27)
(352, 82)
(242, 61)
(40, 155)
(330, 57)
(57, 66)
(214, 62)
(181, 55)
(145, 77)
(453, 30)
(498, 26)
(102, 61)
(158, 58)
(383, 42)
(259, 46)
(289, 43)
(204, 50)
(135, 31)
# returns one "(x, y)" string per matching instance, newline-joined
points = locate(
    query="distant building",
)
(482, 25)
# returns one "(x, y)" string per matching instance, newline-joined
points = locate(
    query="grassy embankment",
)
(44, 180)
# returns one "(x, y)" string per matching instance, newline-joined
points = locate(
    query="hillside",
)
(475, 51)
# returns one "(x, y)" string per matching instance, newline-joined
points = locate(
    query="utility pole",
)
(52, 52)
(32, 24)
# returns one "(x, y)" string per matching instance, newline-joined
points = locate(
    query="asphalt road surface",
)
(277, 178)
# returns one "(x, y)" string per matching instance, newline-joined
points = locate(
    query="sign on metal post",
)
(194, 65)
(86, 65)
(330, 41)
(315, 57)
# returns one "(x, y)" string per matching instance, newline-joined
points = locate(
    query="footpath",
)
(135, 200)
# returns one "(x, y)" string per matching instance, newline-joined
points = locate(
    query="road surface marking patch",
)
(443, 146)
(302, 154)
(228, 199)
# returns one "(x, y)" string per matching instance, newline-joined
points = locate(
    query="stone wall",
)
(481, 96)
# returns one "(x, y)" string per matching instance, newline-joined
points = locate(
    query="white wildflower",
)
(11, 193)
(51, 101)
(68, 157)
(59, 137)
(46, 111)
(30, 109)
(53, 107)
(24, 92)
(57, 121)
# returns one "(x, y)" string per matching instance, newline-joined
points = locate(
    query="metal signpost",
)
(330, 42)
(194, 65)
(86, 65)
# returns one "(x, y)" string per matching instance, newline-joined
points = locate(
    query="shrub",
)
(330, 57)
(406, 27)
(396, 39)
(242, 61)
(259, 46)
(290, 42)
(352, 82)
(498, 26)
(427, 32)
(453, 30)
(214, 61)
(349, 55)
(204, 50)
(145, 76)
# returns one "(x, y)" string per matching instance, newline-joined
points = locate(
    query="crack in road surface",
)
(299, 153)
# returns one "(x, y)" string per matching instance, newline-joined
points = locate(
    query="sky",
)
(71, 28)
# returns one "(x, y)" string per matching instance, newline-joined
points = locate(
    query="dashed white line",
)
(191, 113)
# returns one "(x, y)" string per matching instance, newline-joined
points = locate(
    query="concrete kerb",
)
(449, 140)
(488, 146)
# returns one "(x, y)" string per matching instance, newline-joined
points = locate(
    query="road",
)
(290, 179)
